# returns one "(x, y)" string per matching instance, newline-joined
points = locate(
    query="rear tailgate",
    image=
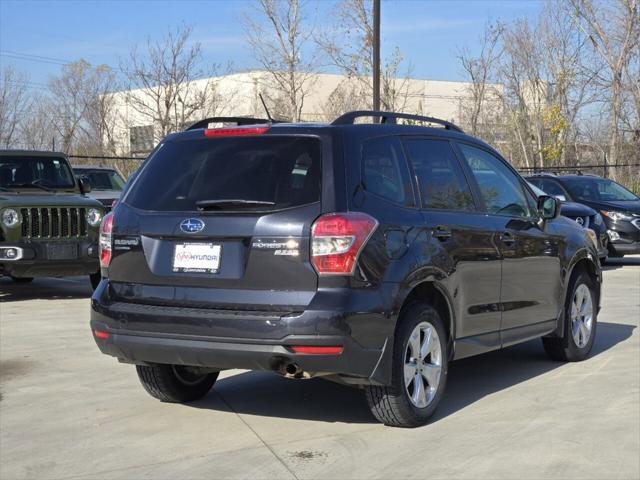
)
(186, 237)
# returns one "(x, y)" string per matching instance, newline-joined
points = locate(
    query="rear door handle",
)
(442, 233)
(507, 238)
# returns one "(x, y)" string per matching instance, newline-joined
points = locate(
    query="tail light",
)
(233, 131)
(105, 240)
(337, 239)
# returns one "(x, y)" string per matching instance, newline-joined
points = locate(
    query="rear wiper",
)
(221, 204)
(28, 185)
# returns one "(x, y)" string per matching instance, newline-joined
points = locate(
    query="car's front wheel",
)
(175, 383)
(581, 310)
(419, 372)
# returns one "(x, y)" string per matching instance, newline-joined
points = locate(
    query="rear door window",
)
(255, 173)
(385, 172)
(440, 178)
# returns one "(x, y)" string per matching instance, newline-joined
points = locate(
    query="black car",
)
(619, 207)
(370, 254)
(584, 216)
(106, 183)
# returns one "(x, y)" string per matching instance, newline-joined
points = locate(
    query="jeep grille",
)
(54, 222)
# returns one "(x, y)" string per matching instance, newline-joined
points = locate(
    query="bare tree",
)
(70, 98)
(480, 71)
(280, 36)
(168, 88)
(13, 105)
(346, 97)
(614, 30)
(100, 116)
(348, 43)
(37, 129)
(81, 109)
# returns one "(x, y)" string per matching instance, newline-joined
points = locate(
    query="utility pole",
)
(376, 54)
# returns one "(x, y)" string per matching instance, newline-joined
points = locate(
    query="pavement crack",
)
(273, 452)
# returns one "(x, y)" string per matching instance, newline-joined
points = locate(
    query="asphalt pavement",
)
(67, 411)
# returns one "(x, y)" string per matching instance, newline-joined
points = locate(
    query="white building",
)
(137, 128)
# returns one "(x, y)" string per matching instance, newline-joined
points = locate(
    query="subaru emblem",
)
(191, 225)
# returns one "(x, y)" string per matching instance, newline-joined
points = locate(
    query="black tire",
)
(392, 405)
(22, 279)
(175, 383)
(95, 278)
(565, 348)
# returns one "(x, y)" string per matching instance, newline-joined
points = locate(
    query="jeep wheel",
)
(22, 279)
(419, 371)
(175, 383)
(95, 278)
(580, 322)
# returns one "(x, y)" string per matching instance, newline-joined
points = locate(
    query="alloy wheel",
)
(422, 365)
(581, 315)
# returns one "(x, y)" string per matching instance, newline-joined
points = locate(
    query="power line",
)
(33, 58)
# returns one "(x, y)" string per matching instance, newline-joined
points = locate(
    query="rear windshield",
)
(253, 173)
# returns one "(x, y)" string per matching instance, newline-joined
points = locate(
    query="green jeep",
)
(48, 226)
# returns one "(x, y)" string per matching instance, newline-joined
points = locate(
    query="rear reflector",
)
(322, 350)
(101, 334)
(230, 131)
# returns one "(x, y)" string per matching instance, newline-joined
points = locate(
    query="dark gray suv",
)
(367, 254)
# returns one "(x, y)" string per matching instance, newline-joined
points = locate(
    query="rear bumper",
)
(146, 334)
(144, 349)
(40, 260)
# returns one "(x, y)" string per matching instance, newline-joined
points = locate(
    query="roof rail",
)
(391, 117)
(204, 123)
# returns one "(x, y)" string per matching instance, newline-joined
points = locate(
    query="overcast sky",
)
(37, 36)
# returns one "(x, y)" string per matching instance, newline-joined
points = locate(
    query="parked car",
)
(584, 216)
(106, 183)
(367, 254)
(48, 225)
(619, 207)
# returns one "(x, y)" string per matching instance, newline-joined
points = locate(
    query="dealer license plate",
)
(197, 258)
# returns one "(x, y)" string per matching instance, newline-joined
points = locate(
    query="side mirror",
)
(548, 207)
(84, 185)
(562, 198)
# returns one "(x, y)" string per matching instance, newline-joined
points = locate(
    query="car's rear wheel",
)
(175, 383)
(419, 374)
(581, 309)
(22, 279)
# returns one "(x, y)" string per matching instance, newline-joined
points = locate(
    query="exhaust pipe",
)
(292, 370)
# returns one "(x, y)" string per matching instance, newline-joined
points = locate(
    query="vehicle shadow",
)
(615, 263)
(45, 289)
(266, 394)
